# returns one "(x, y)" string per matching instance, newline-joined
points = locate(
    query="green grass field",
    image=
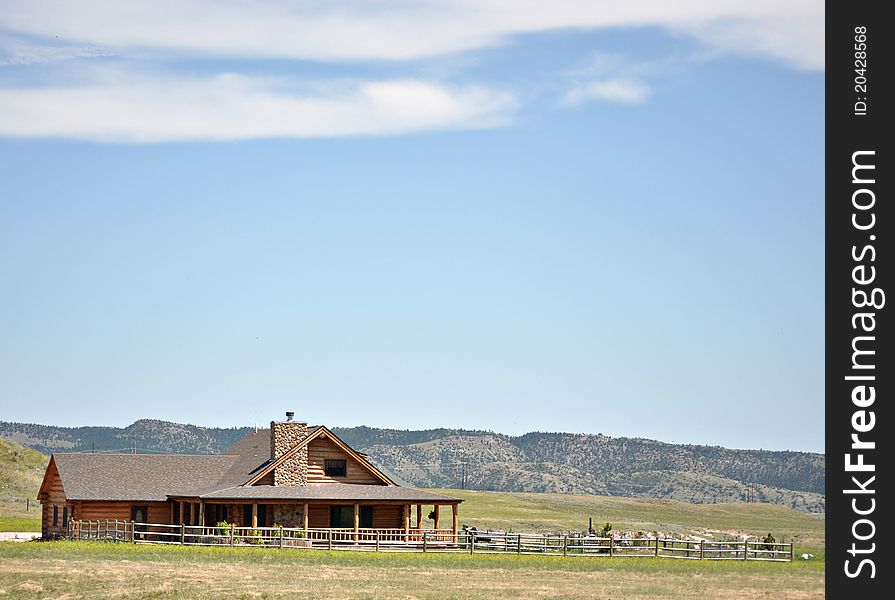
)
(76, 570)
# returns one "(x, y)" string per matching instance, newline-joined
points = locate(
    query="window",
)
(342, 517)
(55, 515)
(336, 468)
(65, 516)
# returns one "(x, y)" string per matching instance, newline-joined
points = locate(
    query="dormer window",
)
(336, 468)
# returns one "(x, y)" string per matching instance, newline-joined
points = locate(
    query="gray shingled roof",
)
(139, 476)
(328, 491)
(149, 478)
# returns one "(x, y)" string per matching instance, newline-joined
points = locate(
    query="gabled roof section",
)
(319, 432)
(143, 477)
(50, 474)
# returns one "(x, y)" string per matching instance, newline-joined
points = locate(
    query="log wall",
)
(319, 450)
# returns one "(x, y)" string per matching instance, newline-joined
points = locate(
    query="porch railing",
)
(428, 540)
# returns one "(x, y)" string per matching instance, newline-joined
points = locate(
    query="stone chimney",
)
(284, 435)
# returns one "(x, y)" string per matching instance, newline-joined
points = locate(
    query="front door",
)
(139, 514)
(366, 517)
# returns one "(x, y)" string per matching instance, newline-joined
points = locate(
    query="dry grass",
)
(525, 512)
(101, 570)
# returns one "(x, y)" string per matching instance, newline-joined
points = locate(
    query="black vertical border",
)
(847, 133)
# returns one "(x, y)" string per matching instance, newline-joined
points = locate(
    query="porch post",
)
(356, 519)
(254, 515)
(419, 516)
(202, 513)
(454, 508)
(306, 519)
(180, 511)
(436, 515)
(406, 511)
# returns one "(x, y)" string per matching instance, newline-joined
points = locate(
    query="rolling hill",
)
(483, 460)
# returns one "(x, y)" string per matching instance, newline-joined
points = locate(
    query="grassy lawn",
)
(19, 523)
(75, 570)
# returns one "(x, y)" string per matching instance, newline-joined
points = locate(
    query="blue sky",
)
(606, 217)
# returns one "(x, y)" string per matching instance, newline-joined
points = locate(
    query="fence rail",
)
(427, 540)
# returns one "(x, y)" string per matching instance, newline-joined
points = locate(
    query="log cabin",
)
(290, 475)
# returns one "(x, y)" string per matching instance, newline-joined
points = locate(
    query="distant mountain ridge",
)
(534, 462)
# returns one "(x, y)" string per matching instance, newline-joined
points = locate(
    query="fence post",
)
(610, 545)
(657, 545)
(565, 545)
(701, 549)
(518, 543)
(471, 543)
(377, 540)
(329, 539)
(281, 537)
(745, 549)
(232, 525)
(133, 531)
(182, 533)
(425, 542)
(791, 552)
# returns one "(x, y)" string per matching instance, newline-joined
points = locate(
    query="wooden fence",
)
(427, 540)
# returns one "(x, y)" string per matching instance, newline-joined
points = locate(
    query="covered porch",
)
(385, 513)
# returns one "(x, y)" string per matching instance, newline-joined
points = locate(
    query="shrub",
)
(222, 529)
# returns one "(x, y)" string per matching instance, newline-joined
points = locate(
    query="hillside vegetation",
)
(21, 472)
(482, 460)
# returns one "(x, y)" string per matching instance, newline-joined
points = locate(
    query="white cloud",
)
(624, 91)
(127, 108)
(160, 34)
(792, 31)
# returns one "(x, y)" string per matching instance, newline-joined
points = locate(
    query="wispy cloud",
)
(625, 91)
(608, 77)
(127, 108)
(792, 32)
(29, 54)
